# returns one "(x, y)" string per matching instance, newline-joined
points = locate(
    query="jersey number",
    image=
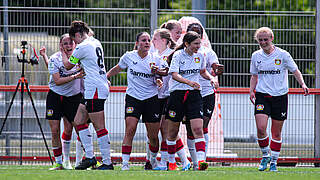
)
(100, 58)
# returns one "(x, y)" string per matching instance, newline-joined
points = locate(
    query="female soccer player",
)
(207, 92)
(89, 53)
(62, 100)
(141, 96)
(164, 45)
(269, 93)
(186, 66)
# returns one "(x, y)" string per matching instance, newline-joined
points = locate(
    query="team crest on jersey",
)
(277, 61)
(152, 64)
(197, 60)
(49, 112)
(172, 114)
(259, 107)
(129, 109)
(165, 58)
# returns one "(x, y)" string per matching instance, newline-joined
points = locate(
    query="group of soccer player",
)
(172, 78)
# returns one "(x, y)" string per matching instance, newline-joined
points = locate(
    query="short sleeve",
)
(174, 66)
(212, 57)
(253, 68)
(289, 62)
(53, 66)
(123, 62)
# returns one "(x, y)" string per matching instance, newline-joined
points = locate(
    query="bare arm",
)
(297, 74)
(62, 80)
(176, 76)
(253, 84)
(113, 71)
(44, 55)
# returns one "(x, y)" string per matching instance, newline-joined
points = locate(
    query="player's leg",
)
(66, 142)
(276, 142)
(130, 131)
(96, 115)
(173, 130)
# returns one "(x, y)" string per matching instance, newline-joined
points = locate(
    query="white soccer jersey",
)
(164, 90)
(141, 82)
(56, 66)
(90, 55)
(210, 58)
(272, 71)
(188, 67)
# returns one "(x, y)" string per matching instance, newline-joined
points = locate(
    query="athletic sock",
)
(79, 151)
(164, 154)
(200, 145)
(66, 139)
(206, 137)
(192, 149)
(264, 146)
(181, 152)
(104, 145)
(171, 151)
(57, 153)
(275, 147)
(86, 139)
(126, 151)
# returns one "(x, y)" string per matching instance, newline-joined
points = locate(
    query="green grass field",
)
(215, 173)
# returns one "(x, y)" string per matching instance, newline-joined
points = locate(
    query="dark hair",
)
(189, 37)
(165, 34)
(137, 39)
(170, 24)
(78, 27)
(195, 27)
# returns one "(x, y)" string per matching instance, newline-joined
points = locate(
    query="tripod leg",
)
(35, 111)
(21, 119)
(14, 95)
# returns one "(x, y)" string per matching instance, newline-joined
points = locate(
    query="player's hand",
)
(159, 83)
(214, 83)
(305, 90)
(80, 74)
(195, 85)
(42, 51)
(218, 69)
(252, 97)
(154, 69)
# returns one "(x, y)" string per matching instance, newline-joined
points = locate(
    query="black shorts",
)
(184, 103)
(274, 106)
(208, 103)
(163, 105)
(58, 106)
(94, 105)
(148, 108)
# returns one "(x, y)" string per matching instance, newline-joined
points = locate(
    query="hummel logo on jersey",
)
(156, 115)
(134, 62)
(197, 60)
(283, 114)
(277, 61)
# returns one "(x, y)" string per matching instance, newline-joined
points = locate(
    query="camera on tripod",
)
(34, 59)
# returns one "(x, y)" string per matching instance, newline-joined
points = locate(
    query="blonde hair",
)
(265, 30)
(165, 34)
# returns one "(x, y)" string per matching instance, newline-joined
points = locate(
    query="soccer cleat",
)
(202, 165)
(186, 167)
(86, 163)
(105, 167)
(264, 163)
(125, 167)
(148, 166)
(96, 165)
(273, 167)
(56, 167)
(161, 168)
(67, 165)
(173, 167)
